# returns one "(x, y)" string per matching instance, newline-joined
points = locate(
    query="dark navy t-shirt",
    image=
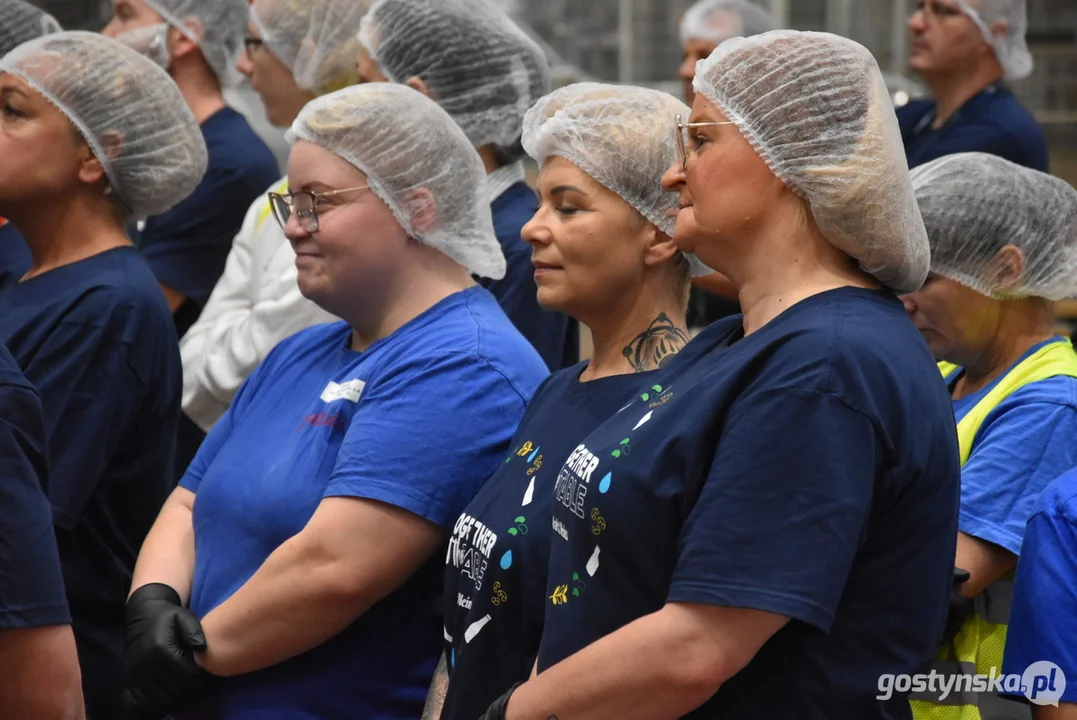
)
(32, 590)
(15, 258)
(808, 470)
(555, 336)
(419, 420)
(495, 569)
(993, 122)
(188, 246)
(97, 342)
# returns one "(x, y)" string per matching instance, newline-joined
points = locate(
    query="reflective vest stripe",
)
(979, 644)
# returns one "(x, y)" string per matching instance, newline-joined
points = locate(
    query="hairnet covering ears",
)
(223, 27)
(477, 63)
(412, 154)
(129, 111)
(620, 136)
(719, 20)
(976, 204)
(816, 109)
(316, 39)
(22, 22)
(1011, 48)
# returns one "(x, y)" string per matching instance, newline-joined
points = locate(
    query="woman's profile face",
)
(957, 322)
(43, 153)
(726, 190)
(358, 244)
(588, 245)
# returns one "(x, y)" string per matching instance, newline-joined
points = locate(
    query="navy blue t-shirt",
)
(783, 472)
(993, 122)
(97, 342)
(419, 420)
(15, 258)
(188, 246)
(32, 590)
(495, 569)
(555, 336)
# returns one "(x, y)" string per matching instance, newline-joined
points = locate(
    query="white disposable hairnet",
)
(21, 22)
(1011, 47)
(219, 30)
(477, 63)
(816, 109)
(129, 111)
(417, 160)
(718, 20)
(314, 38)
(621, 136)
(975, 204)
(151, 41)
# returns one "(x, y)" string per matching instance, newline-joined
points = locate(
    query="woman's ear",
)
(180, 43)
(91, 169)
(660, 247)
(415, 83)
(1009, 267)
(422, 210)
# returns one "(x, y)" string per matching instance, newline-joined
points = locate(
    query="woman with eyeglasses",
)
(779, 502)
(293, 571)
(603, 255)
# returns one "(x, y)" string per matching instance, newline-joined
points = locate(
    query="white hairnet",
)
(718, 20)
(1011, 48)
(816, 109)
(414, 157)
(21, 22)
(223, 27)
(150, 41)
(620, 136)
(975, 204)
(129, 111)
(314, 38)
(477, 63)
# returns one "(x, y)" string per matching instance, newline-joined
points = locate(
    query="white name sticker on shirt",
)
(349, 391)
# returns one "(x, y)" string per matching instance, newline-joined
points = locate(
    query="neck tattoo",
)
(657, 344)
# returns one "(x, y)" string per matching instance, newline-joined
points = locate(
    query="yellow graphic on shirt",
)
(500, 595)
(525, 449)
(560, 595)
(599, 522)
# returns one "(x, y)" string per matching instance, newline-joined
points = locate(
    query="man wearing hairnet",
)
(967, 51)
(704, 27)
(485, 72)
(296, 50)
(197, 42)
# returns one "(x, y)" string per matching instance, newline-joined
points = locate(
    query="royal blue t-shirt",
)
(187, 247)
(15, 258)
(495, 569)
(97, 342)
(782, 472)
(32, 590)
(419, 420)
(1043, 621)
(555, 336)
(992, 122)
(1022, 446)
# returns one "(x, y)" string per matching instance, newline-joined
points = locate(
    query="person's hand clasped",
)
(160, 669)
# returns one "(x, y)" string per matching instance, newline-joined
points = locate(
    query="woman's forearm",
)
(167, 555)
(439, 686)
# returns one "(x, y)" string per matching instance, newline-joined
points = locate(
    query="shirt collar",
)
(500, 180)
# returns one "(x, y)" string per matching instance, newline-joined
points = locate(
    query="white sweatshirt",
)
(254, 306)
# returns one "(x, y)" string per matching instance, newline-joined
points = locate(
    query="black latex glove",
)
(961, 609)
(161, 637)
(497, 710)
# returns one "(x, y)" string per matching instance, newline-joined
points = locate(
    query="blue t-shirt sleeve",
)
(780, 516)
(1043, 621)
(428, 436)
(1021, 449)
(32, 589)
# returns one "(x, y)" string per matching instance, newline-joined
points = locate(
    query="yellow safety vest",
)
(978, 646)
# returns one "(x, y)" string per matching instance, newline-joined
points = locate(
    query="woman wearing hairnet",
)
(335, 475)
(753, 558)
(1003, 249)
(603, 255)
(92, 133)
(471, 58)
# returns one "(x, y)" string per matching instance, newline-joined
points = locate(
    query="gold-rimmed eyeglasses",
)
(305, 206)
(686, 145)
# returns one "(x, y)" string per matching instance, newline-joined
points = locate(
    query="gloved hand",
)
(961, 609)
(161, 638)
(497, 710)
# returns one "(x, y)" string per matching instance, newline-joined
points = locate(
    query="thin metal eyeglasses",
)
(685, 144)
(304, 205)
